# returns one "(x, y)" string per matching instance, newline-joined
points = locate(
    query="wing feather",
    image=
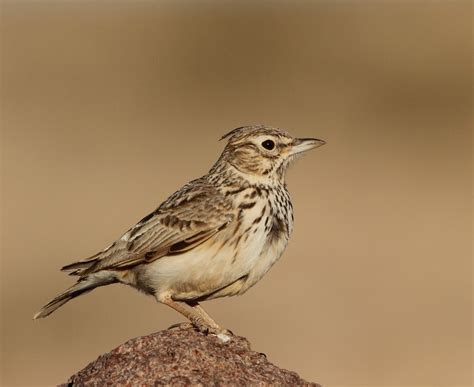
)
(188, 218)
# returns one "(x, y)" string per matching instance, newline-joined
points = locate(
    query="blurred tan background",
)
(109, 107)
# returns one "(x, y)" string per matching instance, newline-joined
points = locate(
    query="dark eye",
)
(268, 144)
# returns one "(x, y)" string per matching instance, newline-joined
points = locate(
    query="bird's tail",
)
(84, 285)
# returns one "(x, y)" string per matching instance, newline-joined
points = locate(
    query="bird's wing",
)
(188, 218)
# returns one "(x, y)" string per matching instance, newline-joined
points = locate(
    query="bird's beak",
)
(305, 144)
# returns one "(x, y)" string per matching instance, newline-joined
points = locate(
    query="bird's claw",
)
(181, 325)
(224, 335)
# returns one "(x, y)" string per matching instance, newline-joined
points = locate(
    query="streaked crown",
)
(263, 152)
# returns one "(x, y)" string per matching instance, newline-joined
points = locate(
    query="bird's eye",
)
(268, 144)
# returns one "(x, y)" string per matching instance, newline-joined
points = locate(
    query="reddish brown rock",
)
(183, 356)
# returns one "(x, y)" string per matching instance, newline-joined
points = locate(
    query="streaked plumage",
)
(217, 236)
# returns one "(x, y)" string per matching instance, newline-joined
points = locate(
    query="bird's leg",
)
(204, 315)
(198, 317)
(198, 321)
(223, 334)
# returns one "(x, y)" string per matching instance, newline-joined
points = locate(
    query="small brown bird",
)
(217, 236)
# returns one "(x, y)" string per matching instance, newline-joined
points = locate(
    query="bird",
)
(215, 237)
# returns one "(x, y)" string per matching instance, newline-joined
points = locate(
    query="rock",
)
(183, 356)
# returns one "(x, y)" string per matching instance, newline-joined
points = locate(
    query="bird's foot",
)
(181, 325)
(224, 335)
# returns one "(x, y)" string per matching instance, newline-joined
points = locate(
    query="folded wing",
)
(188, 218)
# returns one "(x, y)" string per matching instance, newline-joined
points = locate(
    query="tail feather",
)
(84, 285)
(78, 268)
(89, 265)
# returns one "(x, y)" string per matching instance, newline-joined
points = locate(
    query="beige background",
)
(108, 107)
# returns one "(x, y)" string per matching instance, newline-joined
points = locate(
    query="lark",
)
(215, 237)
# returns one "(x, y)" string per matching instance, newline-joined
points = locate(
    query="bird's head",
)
(264, 153)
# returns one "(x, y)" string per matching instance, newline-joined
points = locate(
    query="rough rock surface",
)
(183, 356)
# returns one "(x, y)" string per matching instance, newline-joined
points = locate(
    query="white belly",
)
(227, 264)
